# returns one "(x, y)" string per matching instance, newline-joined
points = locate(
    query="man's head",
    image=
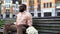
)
(22, 8)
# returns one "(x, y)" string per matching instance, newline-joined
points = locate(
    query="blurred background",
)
(46, 14)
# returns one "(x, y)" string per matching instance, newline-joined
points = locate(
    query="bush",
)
(1, 22)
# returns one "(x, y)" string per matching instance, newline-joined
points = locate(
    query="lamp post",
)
(0, 9)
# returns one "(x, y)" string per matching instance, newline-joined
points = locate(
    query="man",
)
(23, 21)
(24, 18)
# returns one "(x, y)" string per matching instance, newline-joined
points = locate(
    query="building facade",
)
(38, 8)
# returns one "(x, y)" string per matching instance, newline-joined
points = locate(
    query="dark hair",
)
(22, 7)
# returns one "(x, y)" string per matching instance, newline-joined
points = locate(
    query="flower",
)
(31, 30)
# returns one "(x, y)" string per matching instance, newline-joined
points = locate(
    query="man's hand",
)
(14, 22)
(30, 25)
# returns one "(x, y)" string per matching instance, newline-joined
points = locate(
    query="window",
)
(50, 4)
(39, 8)
(39, 1)
(47, 14)
(7, 5)
(7, 16)
(1, 15)
(7, 11)
(8, 1)
(39, 14)
(32, 14)
(31, 8)
(20, 1)
(39, 5)
(31, 4)
(14, 1)
(0, 8)
(44, 5)
(24, 0)
(58, 4)
(31, 1)
(58, 13)
(47, 5)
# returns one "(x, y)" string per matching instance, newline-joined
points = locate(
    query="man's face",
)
(21, 9)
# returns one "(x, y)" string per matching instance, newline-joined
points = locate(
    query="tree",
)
(1, 22)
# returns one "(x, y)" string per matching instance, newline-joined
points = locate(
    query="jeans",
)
(12, 28)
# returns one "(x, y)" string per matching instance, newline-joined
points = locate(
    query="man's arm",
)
(29, 20)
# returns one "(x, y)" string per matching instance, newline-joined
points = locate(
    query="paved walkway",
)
(1, 30)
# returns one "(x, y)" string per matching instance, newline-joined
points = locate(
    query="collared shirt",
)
(24, 18)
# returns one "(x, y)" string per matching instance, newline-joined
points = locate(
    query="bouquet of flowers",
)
(31, 30)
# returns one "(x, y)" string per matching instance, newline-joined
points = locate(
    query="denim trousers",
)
(12, 28)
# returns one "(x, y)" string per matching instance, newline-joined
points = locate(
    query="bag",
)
(31, 30)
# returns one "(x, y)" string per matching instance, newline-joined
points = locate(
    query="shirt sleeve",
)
(29, 20)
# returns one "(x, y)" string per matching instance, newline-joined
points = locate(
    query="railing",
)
(57, 5)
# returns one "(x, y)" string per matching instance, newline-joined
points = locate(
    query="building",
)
(38, 8)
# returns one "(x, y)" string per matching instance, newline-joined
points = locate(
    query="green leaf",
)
(1, 22)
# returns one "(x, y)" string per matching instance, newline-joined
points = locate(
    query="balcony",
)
(57, 8)
(58, 5)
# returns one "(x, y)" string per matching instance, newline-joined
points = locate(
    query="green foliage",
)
(1, 22)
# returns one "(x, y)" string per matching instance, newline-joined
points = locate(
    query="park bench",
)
(47, 25)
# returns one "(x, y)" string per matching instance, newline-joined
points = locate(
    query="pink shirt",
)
(24, 18)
